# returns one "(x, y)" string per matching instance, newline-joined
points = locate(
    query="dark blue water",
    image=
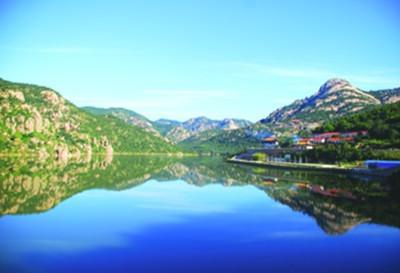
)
(177, 227)
(192, 217)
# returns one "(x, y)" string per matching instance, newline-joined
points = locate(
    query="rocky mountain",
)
(196, 126)
(126, 115)
(387, 95)
(38, 120)
(335, 98)
(165, 125)
(170, 130)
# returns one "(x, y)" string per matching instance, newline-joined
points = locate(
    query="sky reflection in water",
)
(173, 226)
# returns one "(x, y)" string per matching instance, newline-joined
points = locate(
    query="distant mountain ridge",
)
(171, 130)
(195, 126)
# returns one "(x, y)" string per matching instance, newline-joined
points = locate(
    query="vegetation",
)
(37, 120)
(217, 142)
(259, 157)
(382, 142)
(38, 185)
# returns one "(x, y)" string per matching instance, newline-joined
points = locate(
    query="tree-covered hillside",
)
(38, 120)
(383, 140)
(381, 122)
(126, 115)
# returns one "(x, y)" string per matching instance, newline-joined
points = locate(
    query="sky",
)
(182, 59)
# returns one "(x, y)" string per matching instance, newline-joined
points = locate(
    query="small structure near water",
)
(382, 164)
(270, 142)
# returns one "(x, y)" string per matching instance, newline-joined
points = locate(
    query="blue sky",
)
(180, 59)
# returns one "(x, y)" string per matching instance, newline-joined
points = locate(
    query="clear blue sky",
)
(180, 59)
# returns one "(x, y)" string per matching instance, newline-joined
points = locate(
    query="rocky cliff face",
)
(334, 98)
(37, 120)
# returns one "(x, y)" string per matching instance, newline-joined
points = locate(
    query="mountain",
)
(196, 126)
(170, 130)
(383, 142)
(335, 98)
(38, 120)
(221, 142)
(126, 115)
(165, 125)
(387, 95)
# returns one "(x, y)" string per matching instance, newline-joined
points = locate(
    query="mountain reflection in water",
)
(337, 202)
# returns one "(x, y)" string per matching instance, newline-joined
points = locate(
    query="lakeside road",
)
(299, 166)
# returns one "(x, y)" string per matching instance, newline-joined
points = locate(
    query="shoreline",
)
(4, 155)
(290, 165)
(354, 171)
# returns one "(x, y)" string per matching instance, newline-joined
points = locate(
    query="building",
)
(304, 143)
(332, 138)
(270, 142)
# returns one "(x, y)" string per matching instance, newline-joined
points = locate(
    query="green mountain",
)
(126, 115)
(382, 123)
(38, 120)
(382, 142)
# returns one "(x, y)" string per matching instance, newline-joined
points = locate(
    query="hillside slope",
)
(382, 123)
(38, 120)
(336, 97)
(126, 115)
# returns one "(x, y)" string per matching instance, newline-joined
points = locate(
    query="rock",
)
(29, 125)
(51, 97)
(104, 141)
(43, 154)
(18, 95)
(62, 153)
(88, 152)
(109, 155)
(109, 150)
(67, 127)
(37, 120)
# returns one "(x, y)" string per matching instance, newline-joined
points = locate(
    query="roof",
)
(269, 139)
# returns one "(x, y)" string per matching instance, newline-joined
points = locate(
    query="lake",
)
(163, 214)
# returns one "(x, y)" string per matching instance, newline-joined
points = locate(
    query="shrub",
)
(259, 157)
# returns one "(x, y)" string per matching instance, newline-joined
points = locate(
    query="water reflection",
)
(337, 202)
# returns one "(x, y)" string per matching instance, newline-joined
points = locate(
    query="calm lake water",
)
(146, 214)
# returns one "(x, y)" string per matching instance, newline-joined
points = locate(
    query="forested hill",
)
(382, 123)
(38, 120)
